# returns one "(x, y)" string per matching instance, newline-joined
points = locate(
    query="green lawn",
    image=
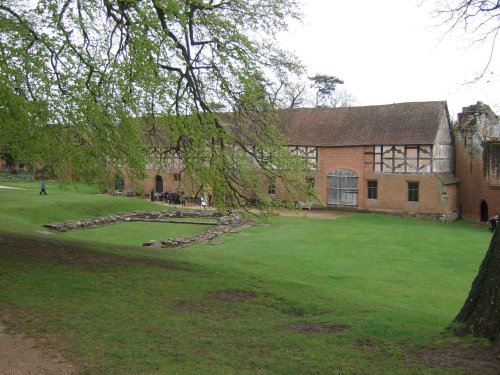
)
(24, 209)
(258, 302)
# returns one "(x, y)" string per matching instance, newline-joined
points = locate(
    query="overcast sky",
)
(390, 51)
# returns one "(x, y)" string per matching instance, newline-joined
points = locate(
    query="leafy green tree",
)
(89, 85)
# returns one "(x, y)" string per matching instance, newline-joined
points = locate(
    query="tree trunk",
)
(480, 314)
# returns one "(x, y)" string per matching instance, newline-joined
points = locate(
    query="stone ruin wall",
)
(225, 224)
(477, 142)
(478, 133)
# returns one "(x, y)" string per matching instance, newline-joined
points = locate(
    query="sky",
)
(393, 51)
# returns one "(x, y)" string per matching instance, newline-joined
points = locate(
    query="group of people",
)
(178, 198)
(494, 222)
(175, 198)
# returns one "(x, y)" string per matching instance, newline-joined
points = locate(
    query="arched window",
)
(159, 184)
(343, 188)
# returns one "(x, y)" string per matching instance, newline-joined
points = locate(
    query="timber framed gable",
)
(308, 154)
(399, 159)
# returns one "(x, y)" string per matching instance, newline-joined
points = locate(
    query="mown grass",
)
(24, 209)
(115, 307)
(136, 233)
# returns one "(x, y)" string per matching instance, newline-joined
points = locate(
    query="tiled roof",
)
(392, 124)
(447, 178)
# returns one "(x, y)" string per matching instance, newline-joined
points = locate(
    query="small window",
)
(177, 176)
(413, 191)
(372, 189)
(271, 189)
(310, 182)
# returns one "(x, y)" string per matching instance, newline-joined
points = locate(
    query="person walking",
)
(494, 222)
(42, 188)
(203, 203)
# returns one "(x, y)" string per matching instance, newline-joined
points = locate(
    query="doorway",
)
(484, 211)
(343, 188)
(159, 184)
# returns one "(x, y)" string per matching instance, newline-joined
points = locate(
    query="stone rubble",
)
(124, 217)
(225, 224)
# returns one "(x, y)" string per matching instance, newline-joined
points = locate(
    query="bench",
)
(303, 205)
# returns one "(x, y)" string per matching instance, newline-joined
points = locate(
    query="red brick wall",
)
(393, 194)
(434, 198)
(331, 158)
(452, 194)
(168, 183)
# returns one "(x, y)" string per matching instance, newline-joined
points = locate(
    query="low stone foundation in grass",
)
(224, 224)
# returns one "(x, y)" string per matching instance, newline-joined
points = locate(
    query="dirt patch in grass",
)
(227, 295)
(315, 214)
(21, 355)
(189, 307)
(308, 328)
(68, 253)
(365, 344)
(185, 307)
(472, 360)
(234, 295)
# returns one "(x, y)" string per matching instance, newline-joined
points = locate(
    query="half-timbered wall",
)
(400, 159)
(423, 158)
(309, 155)
(164, 159)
